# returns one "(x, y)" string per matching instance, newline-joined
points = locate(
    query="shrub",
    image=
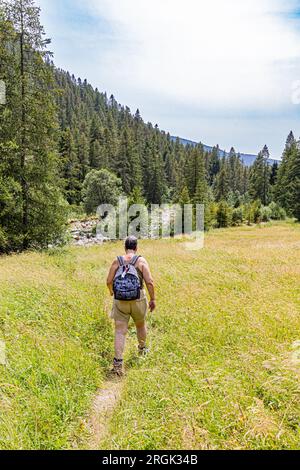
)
(100, 187)
(224, 215)
(256, 211)
(277, 212)
(265, 214)
(211, 211)
(238, 216)
(76, 212)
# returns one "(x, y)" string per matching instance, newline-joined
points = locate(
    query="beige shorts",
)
(135, 309)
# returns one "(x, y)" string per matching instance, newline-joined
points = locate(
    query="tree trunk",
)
(23, 136)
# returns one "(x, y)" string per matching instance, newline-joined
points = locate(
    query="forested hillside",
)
(246, 158)
(98, 132)
(60, 139)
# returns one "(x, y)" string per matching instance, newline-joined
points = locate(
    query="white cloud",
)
(218, 54)
(220, 70)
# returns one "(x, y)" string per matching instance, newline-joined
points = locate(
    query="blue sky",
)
(220, 72)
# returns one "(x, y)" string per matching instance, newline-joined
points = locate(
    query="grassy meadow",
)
(224, 371)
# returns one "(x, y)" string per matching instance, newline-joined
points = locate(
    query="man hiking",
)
(125, 282)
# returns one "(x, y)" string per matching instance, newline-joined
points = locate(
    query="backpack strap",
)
(121, 261)
(134, 260)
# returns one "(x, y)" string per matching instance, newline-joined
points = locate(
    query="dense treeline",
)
(97, 133)
(61, 142)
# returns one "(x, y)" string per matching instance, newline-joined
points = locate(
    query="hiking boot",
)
(118, 368)
(143, 351)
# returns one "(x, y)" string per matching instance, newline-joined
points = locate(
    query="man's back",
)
(141, 265)
(123, 310)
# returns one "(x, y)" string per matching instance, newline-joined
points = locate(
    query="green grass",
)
(58, 342)
(224, 369)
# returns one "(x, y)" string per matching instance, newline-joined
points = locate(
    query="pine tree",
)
(70, 168)
(290, 140)
(32, 114)
(284, 175)
(96, 138)
(260, 186)
(221, 187)
(136, 197)
(214, 165)
(111, 143)
(128, 166)
(232, 162)
(96, 160)
(194, 167)
(153, 170)
(202, 189)
(184, 197)
(10, 186)
(274, 173)
(293, 188)
(170, 165)
(287, 189)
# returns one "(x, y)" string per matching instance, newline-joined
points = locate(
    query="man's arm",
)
(149, 283)
(111, 276)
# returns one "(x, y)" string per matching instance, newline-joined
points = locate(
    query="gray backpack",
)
(127, 284)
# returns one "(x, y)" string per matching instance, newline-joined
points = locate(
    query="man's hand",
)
(152, 305)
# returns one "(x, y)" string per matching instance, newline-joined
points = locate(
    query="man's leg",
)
(141, 330)
(121, 329)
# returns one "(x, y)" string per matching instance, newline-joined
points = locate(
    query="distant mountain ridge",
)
(247, 158)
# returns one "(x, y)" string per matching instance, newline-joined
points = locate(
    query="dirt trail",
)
(102, 410)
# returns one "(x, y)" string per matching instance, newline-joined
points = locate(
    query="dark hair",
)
(131, 243)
